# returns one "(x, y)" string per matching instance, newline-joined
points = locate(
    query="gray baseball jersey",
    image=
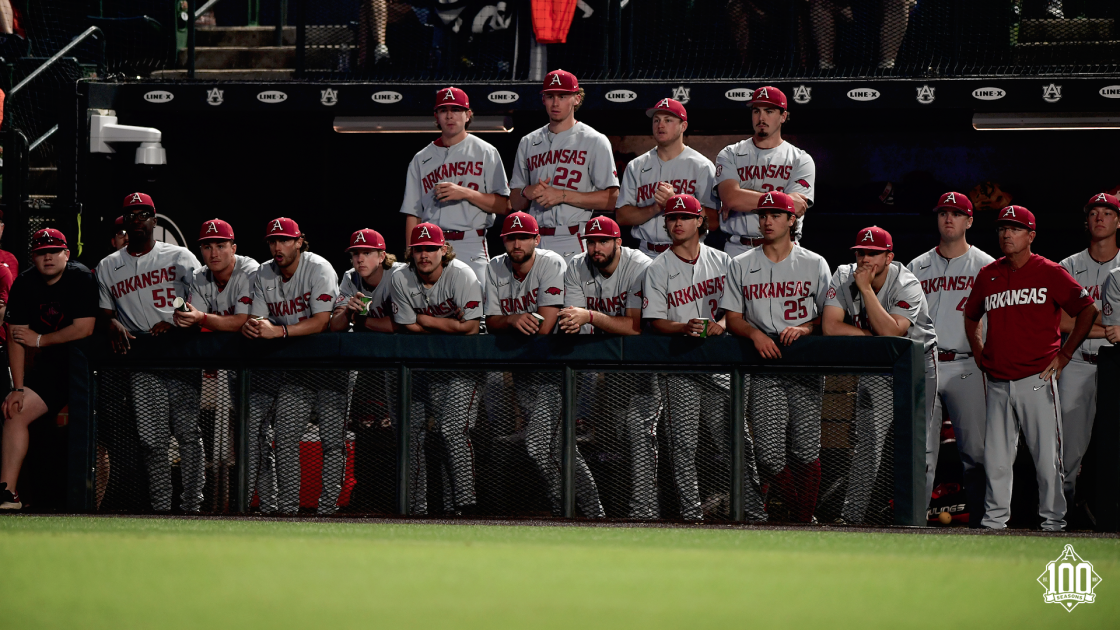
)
(578, 159)
(381, 304)
(1110, 298)
(237, 296)
(688, 173)
(774, 296)
(901, 295)
(586, 287)
(1092, 275)
(142, 288)
(543, 286)
(472, 163)
(785, 168)
(311, 290)
(947, 283)
(680, 291)
(457, 288)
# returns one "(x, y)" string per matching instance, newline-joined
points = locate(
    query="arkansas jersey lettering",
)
(519, 305)
(142, 281)
(680, 187)
(947, 283)
(1014, 298)
(560, 156)
(451, 170)
(615, 306)
(769, 171)
(769, 290)
(697, 291)
(294, 306)
(442, 309)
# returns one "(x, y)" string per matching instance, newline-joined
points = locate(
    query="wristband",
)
(37, 340)
(590, 316)
(203, 322)
(523, 193)
(19, 389)
(285, 327)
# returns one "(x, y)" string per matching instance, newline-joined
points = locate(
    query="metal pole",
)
(281, 18)
(301, 36)
(190, 38)
(614, 15)
(404, 421)
(738, 425)
(93, 30)
(242, 495)
(568, 415)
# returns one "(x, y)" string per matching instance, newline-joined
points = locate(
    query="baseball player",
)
(365, 297)
(222, 291)
(1077, 387)
(947, 273)
(603, 295)
(877, 297)
(137, 286)
(778, 290)
(563, 171)
(668, 169)
(457, 182)
(7, 259)
(293, 295)
(440, 294)
(760, 164)
(120, 234)
(681, 296)
(1021, 294)
(46, 309)
(1110, 297)
(524, 293)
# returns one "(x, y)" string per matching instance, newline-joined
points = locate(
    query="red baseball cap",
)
(683, 204)
(1104, 199)
(768, 95)
(118, 224)
(603, 227)
(520, 223)
(669, 106)
(366, 239)
(776, 201)
(1016, 215)
(875, 239)
(452, 96)
(954, 201)
(282, 227)
(48, 238)
(426, 234)
(138, 199)
(560, 81)
(215, 230)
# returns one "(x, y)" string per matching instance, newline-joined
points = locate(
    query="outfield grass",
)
(73, 572)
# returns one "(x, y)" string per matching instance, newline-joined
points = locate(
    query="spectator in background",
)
(372, 18)
(6, 257)
(120, 235)
(823, 15)
(50, 308)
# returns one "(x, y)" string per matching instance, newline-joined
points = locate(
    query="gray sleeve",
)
(1111, 298)
(259, 308)
(188, 265)
(467, 286)
(243, 293)
(705, 184)
(573, 287)
(413, 203)
(821, 291)
(551, 290)
(602, 169)
(402, 307)
(346, 290)
(324, 283)
(654, 304)
(104, 297)
(832, 296)
(493, 303)
(908, 301)
(637, 289)
(519, 177)
(803, 179)
(496, 177)
(725, 171)
(733, 289)
(628, 190)
(195, 296)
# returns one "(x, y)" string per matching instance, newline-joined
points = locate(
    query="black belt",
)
(573, 229)
(744, 240)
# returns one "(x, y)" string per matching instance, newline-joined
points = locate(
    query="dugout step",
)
(1089, 30)
(222, 36)
(241, 57)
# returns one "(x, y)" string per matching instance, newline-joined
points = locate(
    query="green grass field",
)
(73, 572)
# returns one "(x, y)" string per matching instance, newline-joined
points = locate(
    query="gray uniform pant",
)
(782, 406)
(563, 243)
(166, 403)
(451, 400)
(874, 416)
(280, 407)
(643, 408)
(692, 400)
(1077, 389)
(539, 398)
(961, 391)
(472, 251)
(1030, 405)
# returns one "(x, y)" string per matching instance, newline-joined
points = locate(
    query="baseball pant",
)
(279, 413)
(1077, 389)
(690, 401)
(961, 391)
(786, 410)
(563, 243)
(166, 403)
(642, 411)
(1030, 405)
(539, 398)
(451, 400)
(473, 252)
(874, 416)
(733, 249)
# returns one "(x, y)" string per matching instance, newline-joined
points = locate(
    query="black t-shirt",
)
(49, 308)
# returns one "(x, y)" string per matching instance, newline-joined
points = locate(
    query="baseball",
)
(945, 518)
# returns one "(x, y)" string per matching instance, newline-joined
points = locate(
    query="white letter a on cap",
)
(135, 198)
(276, 227)
(1009, 211)
(516, 222)
(449, 95)
(212, 227)
(868, 236)
(679, 204)
(555, 80)
(359, 238)
(595, 225)
(768, 199)
(951, 198)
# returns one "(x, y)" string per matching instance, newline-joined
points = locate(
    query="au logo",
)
(214, 96)
(1069, 580)
(1051, 93)
(681, 94)
(925, 95)
(802, 94)
(328, 97)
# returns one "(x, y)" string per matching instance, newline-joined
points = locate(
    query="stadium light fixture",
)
(1045, 121)
(415, 124)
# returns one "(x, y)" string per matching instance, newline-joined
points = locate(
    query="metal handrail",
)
(89, 32)
(42, 138)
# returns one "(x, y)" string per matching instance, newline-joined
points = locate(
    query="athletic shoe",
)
(9, 500)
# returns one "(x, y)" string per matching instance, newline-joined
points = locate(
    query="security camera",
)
(104, 129)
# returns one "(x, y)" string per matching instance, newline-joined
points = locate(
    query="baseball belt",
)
(744, 240)
(1089, 358)
(572, 229)
(953, 356)
(457, 235)
(654, 247)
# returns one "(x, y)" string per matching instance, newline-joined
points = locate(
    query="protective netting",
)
(649, 446)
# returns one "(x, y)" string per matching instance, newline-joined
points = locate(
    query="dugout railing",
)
(590, 379)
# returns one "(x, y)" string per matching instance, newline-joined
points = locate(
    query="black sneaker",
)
(9, 500)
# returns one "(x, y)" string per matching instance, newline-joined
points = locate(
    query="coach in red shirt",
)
(1023, 295)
